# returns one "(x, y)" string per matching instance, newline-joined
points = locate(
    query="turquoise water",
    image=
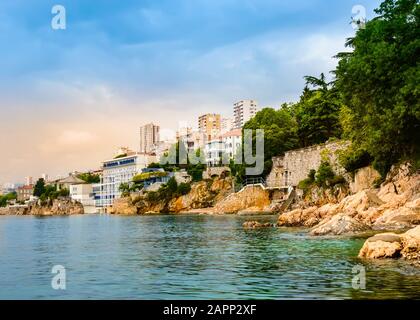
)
(186, 257)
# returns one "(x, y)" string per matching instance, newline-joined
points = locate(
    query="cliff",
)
(203, 194)
(250, 199)
(395, 205)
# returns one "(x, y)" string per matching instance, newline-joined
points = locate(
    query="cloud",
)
(71, 138)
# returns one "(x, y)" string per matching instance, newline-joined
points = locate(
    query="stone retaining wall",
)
(295, 165)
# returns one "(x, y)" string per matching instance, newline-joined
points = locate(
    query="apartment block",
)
(210, 125)
(243, 111)
(149, 137)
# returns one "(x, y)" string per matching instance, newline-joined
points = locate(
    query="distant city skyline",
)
(70, 98)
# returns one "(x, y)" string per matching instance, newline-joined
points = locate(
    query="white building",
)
(232, 142)
(224, 148)
(83, 193)
(214, 152)
(118, 171)
(243, 111)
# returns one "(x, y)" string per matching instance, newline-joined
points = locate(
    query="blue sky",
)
(70, 97)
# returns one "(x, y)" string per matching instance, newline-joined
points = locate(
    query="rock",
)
(15, 211)
(200, 196)
(400, 218)
(380, 249)
(364, 178)
(308, 217)
(391, 245)
(251, 196)
(339, 224)
(60, 206)
(360, 201)
(256, 225)
(123, 206)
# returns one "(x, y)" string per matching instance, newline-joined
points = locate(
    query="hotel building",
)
(115, 172)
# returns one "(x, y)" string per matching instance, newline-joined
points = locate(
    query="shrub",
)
(308, 182)
(196, 174)
(324, 174)
(353, 158)
(336, 180)
(183, 188)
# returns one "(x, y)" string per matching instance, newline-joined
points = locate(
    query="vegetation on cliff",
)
(48, 192)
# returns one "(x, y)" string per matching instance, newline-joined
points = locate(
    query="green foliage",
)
(7, 197)
(309, 181)
(124, 188)
(89, 177)
(183, 188)
(378, 82)
(168, 191)
(171, 186)
(354, 158)
(194, 170)
(324, 174)
(120, 156)
(147, 175)
(279, 136)
(279, 130)
(317, 112)
(39, 188)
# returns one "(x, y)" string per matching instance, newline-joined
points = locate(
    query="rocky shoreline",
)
(57, 207)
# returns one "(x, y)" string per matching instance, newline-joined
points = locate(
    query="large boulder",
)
(250, 197)
(308, 217)
(391, 245)
(400, 218)
(123, 206)
(338, 225)
(364, 178)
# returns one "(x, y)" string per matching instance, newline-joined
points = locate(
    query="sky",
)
(70, 97)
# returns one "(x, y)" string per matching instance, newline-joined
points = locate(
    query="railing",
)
(255, 180)
(250, 182)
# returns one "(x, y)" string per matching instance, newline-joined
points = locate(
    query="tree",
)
(317, 112)
(379, 83)
(89, 177)
(39, 188)
(7, 197)
(279, 133)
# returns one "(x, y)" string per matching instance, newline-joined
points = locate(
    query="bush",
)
(183, 188)
(352, 159)
(171, 186)
(196, 174)
(308, 182)
(336, 180)
(324, 174)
